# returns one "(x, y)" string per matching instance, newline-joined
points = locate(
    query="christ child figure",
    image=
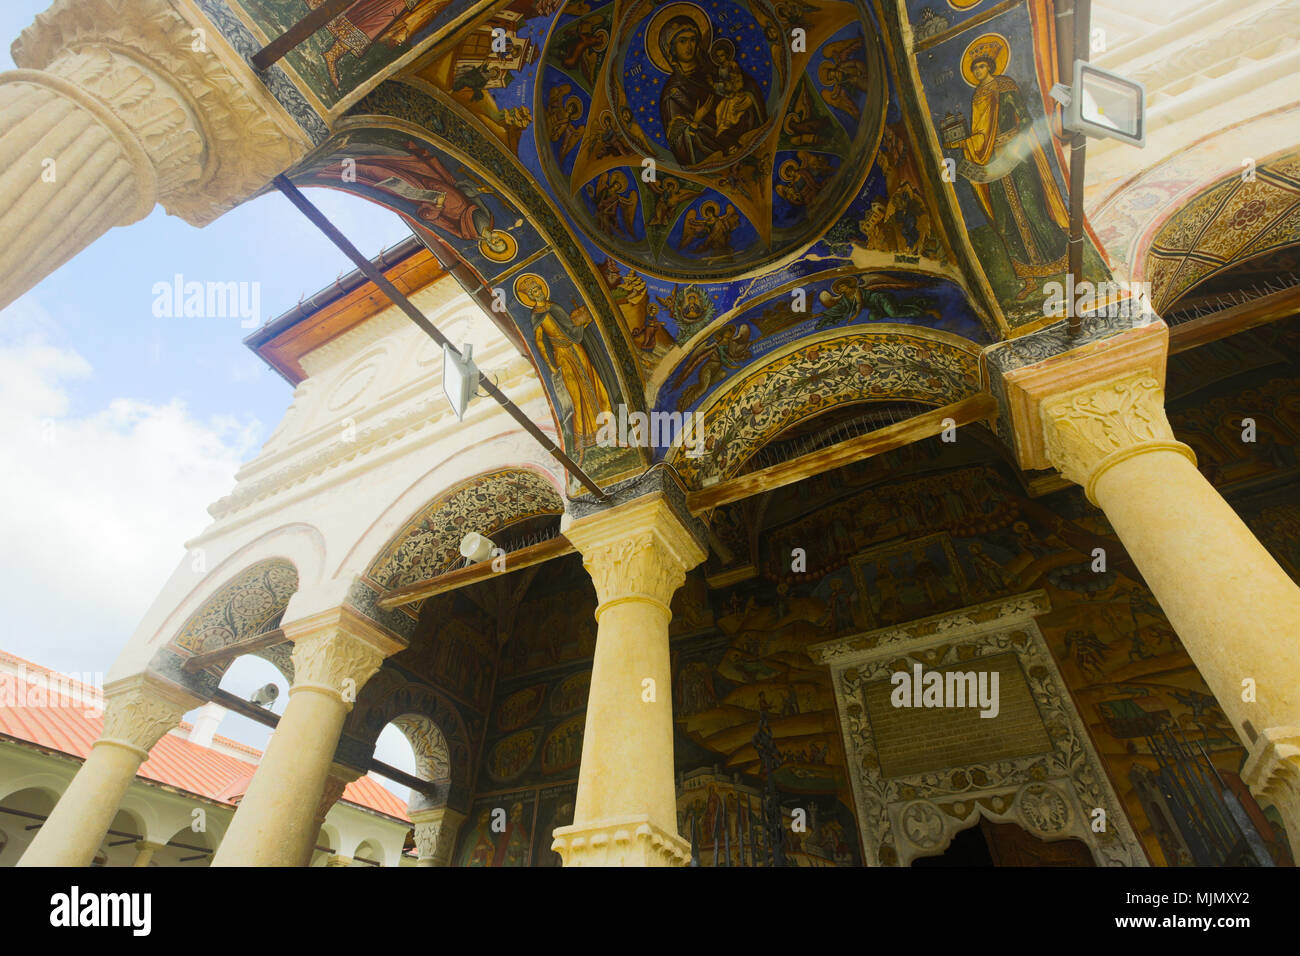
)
(734, 100)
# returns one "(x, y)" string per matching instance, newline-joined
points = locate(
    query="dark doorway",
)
(1005, 844)
(968, 848)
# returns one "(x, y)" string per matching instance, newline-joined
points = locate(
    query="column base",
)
(620, 841)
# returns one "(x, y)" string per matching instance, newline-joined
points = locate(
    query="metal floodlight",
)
(265, 695)
(459, 378)
(476, 547)
(1105, 104)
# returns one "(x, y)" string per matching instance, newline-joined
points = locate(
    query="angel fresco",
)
(723, 351)
(615, 203)
(582, 48)
(390, 22)
(850, 295)
(670, 193)
(709, 229)
(843, 71)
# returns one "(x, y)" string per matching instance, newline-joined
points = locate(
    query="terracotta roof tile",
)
(174, 761)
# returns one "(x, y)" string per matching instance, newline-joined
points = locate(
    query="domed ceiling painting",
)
(752, 209)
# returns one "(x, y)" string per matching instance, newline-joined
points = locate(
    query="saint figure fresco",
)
(1007, 168)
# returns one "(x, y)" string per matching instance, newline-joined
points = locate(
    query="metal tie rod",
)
(375, 275)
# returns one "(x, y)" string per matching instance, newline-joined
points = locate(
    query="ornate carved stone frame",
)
(1052, 795)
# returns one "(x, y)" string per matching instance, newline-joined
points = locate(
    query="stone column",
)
(137, 712)
(435, 834)
(339, 860)
(625, 813)
(334, 654)
(1236, 611)
(340, 775)
(121, 105)
(144, 851)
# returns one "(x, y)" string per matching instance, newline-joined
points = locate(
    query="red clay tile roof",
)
(174, 761)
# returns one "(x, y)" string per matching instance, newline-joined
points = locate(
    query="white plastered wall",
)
(367, 441)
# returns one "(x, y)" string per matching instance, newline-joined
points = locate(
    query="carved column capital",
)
(169, 87)
(337, 651)
(435, 834)
(637, 551)
(140, 710)
(1088, 430)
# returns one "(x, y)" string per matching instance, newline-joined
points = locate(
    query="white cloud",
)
(95, 507)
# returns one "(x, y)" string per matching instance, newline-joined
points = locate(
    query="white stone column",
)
(334, 654)
(137, 712)
(1098, 417)
(336, 782)
(625, 813)
(144, 852)
(120, 105)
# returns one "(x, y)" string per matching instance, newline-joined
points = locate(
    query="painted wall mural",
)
(755, 148)
(543, 309)
(361, 41)
(984, 86)
(920, 531)
(1230, 222)
(888, 363)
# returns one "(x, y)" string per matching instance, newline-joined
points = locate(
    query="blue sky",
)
(119, 428)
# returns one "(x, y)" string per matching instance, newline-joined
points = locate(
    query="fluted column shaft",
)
(120, 105)
(91, 142)
(137, 713)
(626, 808)
(334, 654)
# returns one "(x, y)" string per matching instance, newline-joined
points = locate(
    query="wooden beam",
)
(515, 561)
(231, 651)
(1238, 318)
(274, 51)
(265, 717)
(973, 409)
(427, 787)
(240, 706)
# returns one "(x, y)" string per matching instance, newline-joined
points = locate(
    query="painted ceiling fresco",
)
(366, 38)
(658, 200)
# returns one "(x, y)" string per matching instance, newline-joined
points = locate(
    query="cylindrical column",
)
(119, 105)
(1233, 607)
(144, 851)
(136, 715)
(275, 825)
(626, 807)
(335, 783)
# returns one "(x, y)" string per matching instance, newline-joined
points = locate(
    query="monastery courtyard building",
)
(792, 434)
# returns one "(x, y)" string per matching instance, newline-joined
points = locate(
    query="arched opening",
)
(120, 843)
(22, 813)
(368, 853)
(245, 611)
(989, 843)
(185, 847)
